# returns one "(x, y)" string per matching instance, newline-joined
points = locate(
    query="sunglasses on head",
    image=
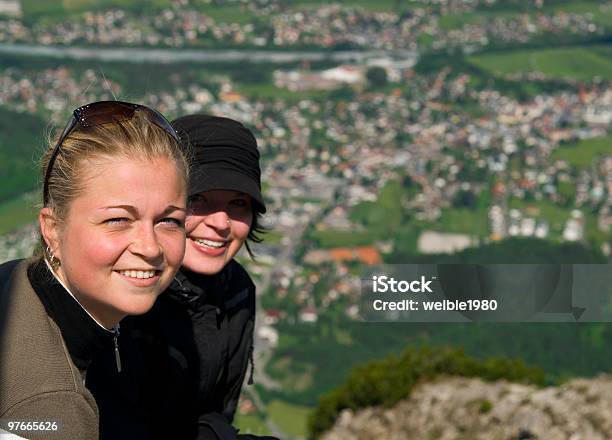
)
(100, 113)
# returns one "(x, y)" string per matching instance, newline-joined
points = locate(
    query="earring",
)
(53, 261)
(229, 222)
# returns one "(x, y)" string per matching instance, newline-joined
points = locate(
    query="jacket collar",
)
(82, 335)
(192, 289)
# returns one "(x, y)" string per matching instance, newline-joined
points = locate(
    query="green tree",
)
(465, 199)
(377, 76)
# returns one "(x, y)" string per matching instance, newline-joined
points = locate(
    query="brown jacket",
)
(38, 380)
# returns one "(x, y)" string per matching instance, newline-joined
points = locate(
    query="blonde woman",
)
(112, 225)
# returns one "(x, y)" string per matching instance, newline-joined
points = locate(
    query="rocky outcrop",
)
(463, 408)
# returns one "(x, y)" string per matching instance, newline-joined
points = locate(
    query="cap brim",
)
(227, 180)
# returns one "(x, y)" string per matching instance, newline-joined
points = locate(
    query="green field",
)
(228, 13)
(291, 419)
(575, 63)
(57, 10)
(452, 21)
(585, 152)
(251, 424)
(462, 221)
(270, 91)
(17, 212)
(449, 22)
(577, 7)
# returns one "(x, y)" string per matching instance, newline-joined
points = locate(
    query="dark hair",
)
(254, 233)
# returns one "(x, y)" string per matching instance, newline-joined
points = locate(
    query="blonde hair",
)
(135, 139)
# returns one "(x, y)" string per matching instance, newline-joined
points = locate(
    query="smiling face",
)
(123, 238)
(217, 226)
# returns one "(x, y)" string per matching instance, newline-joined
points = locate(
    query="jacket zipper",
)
(116, 342)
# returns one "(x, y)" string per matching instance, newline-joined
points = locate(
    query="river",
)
(168, 56)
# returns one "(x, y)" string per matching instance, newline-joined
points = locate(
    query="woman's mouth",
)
(140, 274)
(210, 247)
(140, 277)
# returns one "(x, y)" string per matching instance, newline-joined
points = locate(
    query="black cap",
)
(224, 156)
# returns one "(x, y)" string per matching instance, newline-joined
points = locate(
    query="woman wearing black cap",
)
(225, 204)
(186, 360)
(224, 190)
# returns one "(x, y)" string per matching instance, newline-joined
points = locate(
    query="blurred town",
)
(181, 24)
(363, 163)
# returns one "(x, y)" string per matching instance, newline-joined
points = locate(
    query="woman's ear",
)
(50, 230)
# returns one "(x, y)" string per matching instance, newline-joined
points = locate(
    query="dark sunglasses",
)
(100, 113)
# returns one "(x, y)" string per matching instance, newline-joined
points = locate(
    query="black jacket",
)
(182, 364)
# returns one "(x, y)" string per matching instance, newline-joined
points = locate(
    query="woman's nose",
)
(218, 220)
(146, 243)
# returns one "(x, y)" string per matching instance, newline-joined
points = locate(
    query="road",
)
(263, 350)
